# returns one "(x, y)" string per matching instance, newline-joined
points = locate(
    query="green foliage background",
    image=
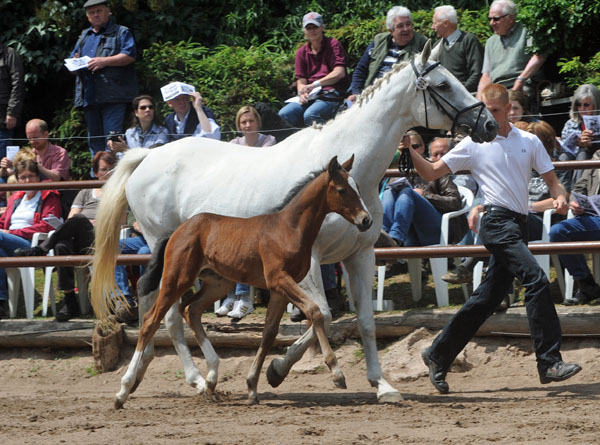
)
(241, 51)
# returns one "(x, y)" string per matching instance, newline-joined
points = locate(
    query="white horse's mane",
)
(367, 93)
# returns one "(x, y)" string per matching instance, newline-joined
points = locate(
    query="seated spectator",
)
(584, 227)
(53, 161)
(24, 154)
(75, 236)
(145, 131)
(398, 44)
(507, 59)
(585, 102)
(460, 53)
(320, 76)
(413, 216)
(247, 120)
(519, 108)
(190, 117)
(23, 217)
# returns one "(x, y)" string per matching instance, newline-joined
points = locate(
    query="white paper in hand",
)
(77, 63)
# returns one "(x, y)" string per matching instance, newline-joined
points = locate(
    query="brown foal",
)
(270, 251)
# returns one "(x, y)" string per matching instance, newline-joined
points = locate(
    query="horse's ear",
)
(435, 52)
(334, 166)
(348, 164)
(426, 53)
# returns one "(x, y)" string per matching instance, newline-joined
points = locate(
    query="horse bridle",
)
(405, 162)
(422, 84)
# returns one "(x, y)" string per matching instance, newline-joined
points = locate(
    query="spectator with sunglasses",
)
(146, 130)
(507, 59)
(586, 102)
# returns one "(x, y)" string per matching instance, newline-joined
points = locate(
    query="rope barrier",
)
(389, 173)
(382, 253)
(66, 138)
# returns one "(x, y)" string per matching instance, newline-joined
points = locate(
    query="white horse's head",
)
(443, 102)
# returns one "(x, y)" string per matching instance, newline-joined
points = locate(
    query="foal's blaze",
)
(345, 199)
(270, 251)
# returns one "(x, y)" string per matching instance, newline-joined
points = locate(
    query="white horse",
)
(168, 185)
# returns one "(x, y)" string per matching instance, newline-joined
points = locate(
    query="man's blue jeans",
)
(8, 244)
(319, 111)
(101, 119)
(133, 245)
(505, 236)
(580, 228)
(410, 218)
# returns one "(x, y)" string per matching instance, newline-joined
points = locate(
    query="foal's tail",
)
(110, 216)
(150, 281)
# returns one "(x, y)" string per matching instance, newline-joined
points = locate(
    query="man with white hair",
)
(506, 59)
(460, 52)
(388, 48)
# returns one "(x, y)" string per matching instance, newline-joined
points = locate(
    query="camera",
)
(114, 136)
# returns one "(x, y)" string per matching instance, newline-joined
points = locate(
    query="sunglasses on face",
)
(415, 146)
(497, 19)
(146, 107)
(583, 104)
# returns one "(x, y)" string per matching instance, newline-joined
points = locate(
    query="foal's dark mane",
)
(297, 188)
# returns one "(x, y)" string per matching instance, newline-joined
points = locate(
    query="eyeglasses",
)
(583, 104)
(415, 146)
(497, 19)
(146, 107)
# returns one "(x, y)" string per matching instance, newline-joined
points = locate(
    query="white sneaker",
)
(241, 309)
(227, 306)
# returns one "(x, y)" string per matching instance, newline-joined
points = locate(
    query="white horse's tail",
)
(110, 216)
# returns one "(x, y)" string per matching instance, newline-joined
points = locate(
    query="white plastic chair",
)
(25, 275)
(439, 266)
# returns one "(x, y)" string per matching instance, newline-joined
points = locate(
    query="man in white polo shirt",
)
(502, 169)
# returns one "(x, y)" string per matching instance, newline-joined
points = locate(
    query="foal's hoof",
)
(340, 382)
(118, 404)
(273, 376)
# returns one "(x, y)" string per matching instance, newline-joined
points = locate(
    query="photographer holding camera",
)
(145, 131)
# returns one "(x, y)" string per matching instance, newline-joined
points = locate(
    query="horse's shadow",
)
(582, 391)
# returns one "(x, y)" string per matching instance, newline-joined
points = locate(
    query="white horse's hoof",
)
(390, 397)
(201, 387)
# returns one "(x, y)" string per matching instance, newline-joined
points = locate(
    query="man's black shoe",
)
(558, 372)
(3, 309)
(30, 251)
(436, 374)
(297, 315)
(577, 299)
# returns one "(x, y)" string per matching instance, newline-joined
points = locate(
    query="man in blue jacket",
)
(108, 83)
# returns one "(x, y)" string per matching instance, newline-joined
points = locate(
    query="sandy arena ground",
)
(53, 397)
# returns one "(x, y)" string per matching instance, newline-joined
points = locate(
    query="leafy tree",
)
(562, 28)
